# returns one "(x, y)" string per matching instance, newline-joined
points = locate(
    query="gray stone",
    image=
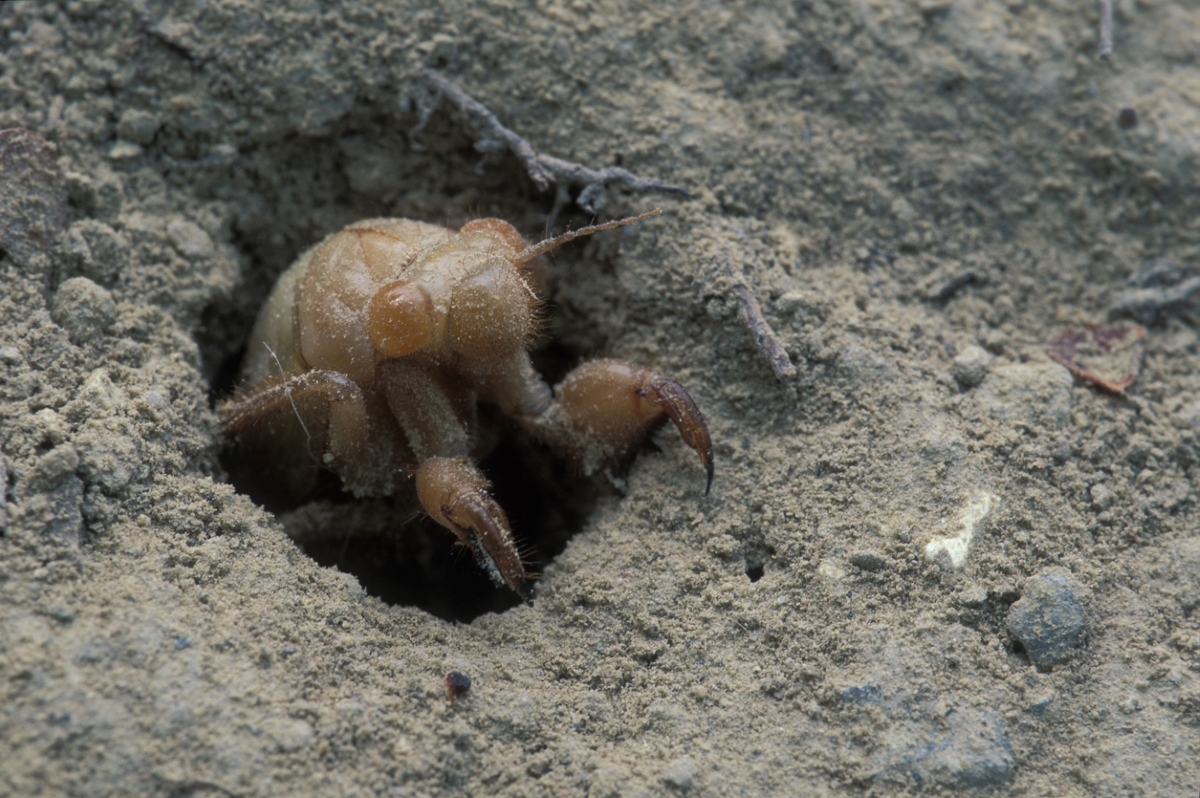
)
(190, 239)
(60, 510)
(1048, 619)
(288, 734)
(681, 773)
(868, 561)
(968, 748)
(124, 150)
(1102, 496)
(97, 251)
(55, 464)
(971, 366)
(137, 126)
(862, 694)
(973, 752)
(865, 366)
(1040, 705)
(83, 309)
(1183, 561)
(1033, 394)
(33, 204)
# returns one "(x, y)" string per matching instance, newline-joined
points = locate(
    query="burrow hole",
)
(292, 193)
(756, 554)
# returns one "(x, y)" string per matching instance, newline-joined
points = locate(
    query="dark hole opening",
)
(401, 556)
(756, 553)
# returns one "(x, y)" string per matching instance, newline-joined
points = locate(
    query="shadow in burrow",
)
(292, 193)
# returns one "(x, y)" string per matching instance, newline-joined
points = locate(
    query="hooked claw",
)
(482, 525)
(455, 494)
(613, 404)
(678, 405)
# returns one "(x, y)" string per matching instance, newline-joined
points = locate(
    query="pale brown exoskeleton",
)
(376, 349)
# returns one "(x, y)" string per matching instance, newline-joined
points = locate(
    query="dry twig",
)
(544, 170)
(752, 316)
(180, 36)
(1159, 287)
(1106, 30)
(3, 492)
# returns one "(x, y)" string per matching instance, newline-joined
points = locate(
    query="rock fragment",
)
(137, 126)
(1048, 619)
(868, 561)
(83, 309)
(971, 366)
(33, 203)
(1033, 394)
(681, 773)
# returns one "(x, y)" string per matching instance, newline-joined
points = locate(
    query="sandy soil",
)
(932, 561)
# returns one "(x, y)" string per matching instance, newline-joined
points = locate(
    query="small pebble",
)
(55, 464)
(457, 685)
(1102, 496)
(681, 773)
(1033, 394)
(124, 150)
(1127, 117)
(83, 309)
(1048, 619)
(971, 366)
(137, 126)
(868, 561)
(190, 239)
(862, 694)
(61, 613)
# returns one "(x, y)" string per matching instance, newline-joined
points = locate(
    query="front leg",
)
(455, 494)
(450, 488)
(603, 410)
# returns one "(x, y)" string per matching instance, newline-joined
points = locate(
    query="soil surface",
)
(934, 561)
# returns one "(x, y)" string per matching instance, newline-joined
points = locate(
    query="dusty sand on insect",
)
(895, 182)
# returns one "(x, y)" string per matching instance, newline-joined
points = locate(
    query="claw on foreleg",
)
(678, 405)
(455, 494)
(612, 405)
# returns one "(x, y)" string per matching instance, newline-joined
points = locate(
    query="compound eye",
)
(399, 319)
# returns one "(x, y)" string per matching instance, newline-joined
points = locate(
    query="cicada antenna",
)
(542, 247)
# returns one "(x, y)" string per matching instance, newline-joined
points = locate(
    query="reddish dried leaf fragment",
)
(1100, 349)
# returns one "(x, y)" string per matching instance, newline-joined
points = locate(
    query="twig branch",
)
(752, 316)
(1106, 30)
(180, 36)
(544, 170)
(3, 493)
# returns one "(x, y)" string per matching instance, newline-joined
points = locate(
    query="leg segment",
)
(451, 489)
(307, 421)
(455, 494)
(605, 408)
